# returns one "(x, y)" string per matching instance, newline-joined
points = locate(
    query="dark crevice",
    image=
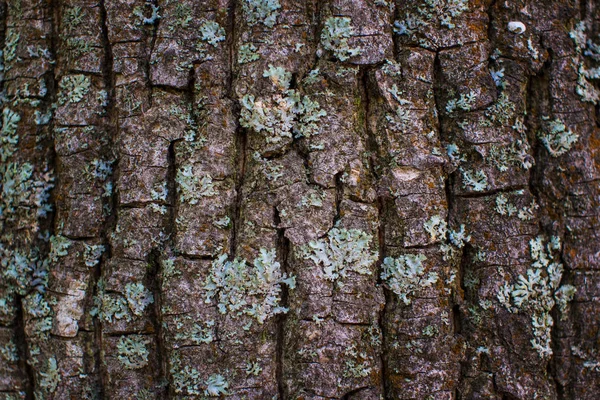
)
(242, 145)
(109, 203)
(231, 47)
(150, 50)
(171, 192)
(339, 196)
(353, 392)
(458, 324)
(374, 164)
(22, 348)
(283, 251)
(153, 282)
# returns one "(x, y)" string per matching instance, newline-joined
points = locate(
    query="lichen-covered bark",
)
(285, 199)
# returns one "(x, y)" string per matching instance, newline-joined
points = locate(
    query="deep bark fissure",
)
(110, 204)
(22, 350)
(154, 282)
(233, 7)
(283, 251)
(374, 164)
(241, 146)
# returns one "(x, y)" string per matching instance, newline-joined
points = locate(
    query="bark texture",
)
(300, 199)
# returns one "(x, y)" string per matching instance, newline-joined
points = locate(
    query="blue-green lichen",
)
(212, 32)
(405, 275)
(73, 88)
(341, 252)
(261, 11)
(247, 53)
(191, 188)
(557, 138)
(138, 297)
(283, 114)
(335, 35)
(536, 292)
(234, 283)
(132, 351)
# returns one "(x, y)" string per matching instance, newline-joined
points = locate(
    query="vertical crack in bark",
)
(241, 136)
(110, 204)
(50, 80)
(242, 143)
(231, 46)
(172, 204)
(22, 351)
(374, 164)
(148, 55)
(153, 281)
(283, 250)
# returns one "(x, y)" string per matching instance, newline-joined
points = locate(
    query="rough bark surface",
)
(300, 199)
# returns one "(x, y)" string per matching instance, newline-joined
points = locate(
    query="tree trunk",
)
(300, 199)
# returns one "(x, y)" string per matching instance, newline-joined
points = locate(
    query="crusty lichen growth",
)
(405, 275)
(557, 138)
(261, 11)
(441, 12)
(341, 252)
(49, 378)
(283, 115)
(138, 297)
(132, 351)
(538, 292)
(73, 88)
(243, 290)
(190, 187)
(335, 35)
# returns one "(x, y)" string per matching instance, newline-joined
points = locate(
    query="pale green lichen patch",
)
(474, 180)
(109, 306)
(73, 88)
(587, 50)
(132, 351)
(242, 290)
(247, 53)
(283, 114)
(557, 138)
(464, 102)
(536, 292)
(154, 15)
(405, 275)
(49, 379)
(357, 363)
(279, 76)
(261, 11)
(335, 35)
(442, 12)
(191, 188)
(59, 247)
(216, 385)
(138, 297)
(9, 352)
(188, 380)
(212, 32)
(10, 47)
(436, 227)
(341, 252)
(505, 207)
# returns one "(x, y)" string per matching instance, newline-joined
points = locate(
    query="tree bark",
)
(299, 199)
